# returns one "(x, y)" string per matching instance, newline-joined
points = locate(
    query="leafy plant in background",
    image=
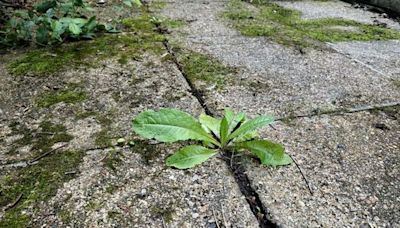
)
(234, 132)
(54, 21)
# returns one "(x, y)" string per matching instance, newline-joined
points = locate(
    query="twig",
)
(10, 206)
(302, 174)
(223, 216)
(70, 173)
(103, 158)
(215, 218)
(163, 222)
(232, 159)
(45, 133)
(45, 154)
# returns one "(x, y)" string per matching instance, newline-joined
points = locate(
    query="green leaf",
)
(74, 29)
(128, 2)
(57, 30)
(240, 117)
(233, 120)
(170, 125)
(224, 130)
(246, 137)
(109, 28)
(251, 125)
(91, 25)
(210, 124)
(268, 152)
(190, 156)
(42, 35)
(44, 6)
(138, 3)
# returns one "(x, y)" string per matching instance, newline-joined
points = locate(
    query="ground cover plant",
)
(54, 21)
(234, 132)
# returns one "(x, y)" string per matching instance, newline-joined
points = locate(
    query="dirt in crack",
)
(252, 197)
(236, 169)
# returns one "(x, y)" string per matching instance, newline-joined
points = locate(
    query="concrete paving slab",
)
(276, 79)
(336, 9)
(114, 186)
(382, 56)
(351, 162)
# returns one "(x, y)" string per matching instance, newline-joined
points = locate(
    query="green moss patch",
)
(104, 138)
(40, 181)
(147, 151)
(200, 67)
(42, 139)
(172, 24)
(112, 159)
(84, 114)
(69, 95)
(285, 26)
(35, 183)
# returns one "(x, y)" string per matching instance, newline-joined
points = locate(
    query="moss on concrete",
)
(84, 114)
(112, 159)
(40, 181)
(172, 24)
(71, 94)
(164, 211)
(105, 137)
(396, 83)
(200, 67)
(42, 139)
(147, 151)
(285, 26)
(35, 183)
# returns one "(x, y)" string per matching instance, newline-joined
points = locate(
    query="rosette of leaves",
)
(233, 132)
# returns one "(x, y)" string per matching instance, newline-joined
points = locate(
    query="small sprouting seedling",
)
(233, 132)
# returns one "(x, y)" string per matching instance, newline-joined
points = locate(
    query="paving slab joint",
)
(237, 170)
(343, 111)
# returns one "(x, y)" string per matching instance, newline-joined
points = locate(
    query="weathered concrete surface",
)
(352, 167)
(350, 160)
(129, 187)
(276, 79)
(381, 56)
(337, 9)
(388, 4)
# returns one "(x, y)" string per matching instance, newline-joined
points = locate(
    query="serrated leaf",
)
(268, 152)
(251, 125)
(170, 125)
(190, 156)
(210, 124)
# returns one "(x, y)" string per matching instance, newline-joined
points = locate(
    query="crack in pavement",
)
(343, 111)
(238, 171)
